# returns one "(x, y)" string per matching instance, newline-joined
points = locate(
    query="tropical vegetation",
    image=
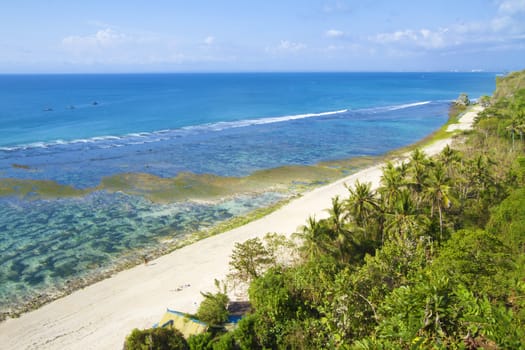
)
(434, 258)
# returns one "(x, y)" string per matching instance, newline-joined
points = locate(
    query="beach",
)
(101, 315)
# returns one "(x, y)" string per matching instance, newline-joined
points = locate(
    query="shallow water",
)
(46, 243)
(222, 124)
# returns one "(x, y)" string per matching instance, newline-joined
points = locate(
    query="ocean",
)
(76, 130)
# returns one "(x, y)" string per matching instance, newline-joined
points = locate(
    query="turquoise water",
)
(52, 243)
(76, 129)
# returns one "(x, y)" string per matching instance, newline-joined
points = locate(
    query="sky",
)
(115, 36)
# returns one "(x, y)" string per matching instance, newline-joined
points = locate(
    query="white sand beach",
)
(101, 315)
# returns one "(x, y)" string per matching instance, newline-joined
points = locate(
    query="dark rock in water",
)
(95, 103)
(20, 166)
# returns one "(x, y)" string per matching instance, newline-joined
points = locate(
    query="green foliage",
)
(273, 302)
(155, 339)
(477, 260)
(225, 342)
(311, 280)
(213, 309)
(506, 86)
(484, 101)
(373, 343)
(432, 259)
(245, 335)
(392, 266)
(201, 341)
(249, 259)
(508, 221)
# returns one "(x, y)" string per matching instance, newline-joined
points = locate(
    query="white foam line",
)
(141, 135)
(409, 105)
(131, 138)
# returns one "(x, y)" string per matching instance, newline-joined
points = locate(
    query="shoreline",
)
(102, 314)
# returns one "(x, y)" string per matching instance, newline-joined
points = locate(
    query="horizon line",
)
(256, 72)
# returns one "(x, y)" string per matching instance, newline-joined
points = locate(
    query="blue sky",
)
(68, 36)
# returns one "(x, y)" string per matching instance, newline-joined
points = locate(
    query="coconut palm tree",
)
(479, 175)
(404, 221)
(449, 157)
(314, 238)
(438, 193)
(363, 206)
(513, 128)
(392, 181)
(338, 215)
(418, 169)
(344, 235)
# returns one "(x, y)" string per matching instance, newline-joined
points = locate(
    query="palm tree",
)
(513, 128)
(418, 165)
(392, 181)
(341, 236)
(450, 158)
(438, 193)
(404, 221)
(337, 215)
(314, 237)
(363, 206)
(403, 169)
(478, 172)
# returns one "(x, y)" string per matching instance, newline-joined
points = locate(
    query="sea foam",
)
(138, 138)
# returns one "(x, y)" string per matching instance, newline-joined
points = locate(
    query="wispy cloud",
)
(334, 33)
(504, 31)
(422, 38)
(511, 7)
(338, 6)
(102, 38)
(110, 46)
(291, 46)
(209, 40)
(286, 46)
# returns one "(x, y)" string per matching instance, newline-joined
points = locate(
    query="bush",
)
(155, 339)
(212, 309)
(245, 335)
(200, 341)
(225, 342)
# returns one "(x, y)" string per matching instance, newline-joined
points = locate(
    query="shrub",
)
(155, 339)
(200, 341)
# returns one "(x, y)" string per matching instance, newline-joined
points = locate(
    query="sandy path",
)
(101, 315)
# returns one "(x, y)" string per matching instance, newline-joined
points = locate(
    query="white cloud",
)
(334, 33)
(286, 45)
(336, 7)
(511, 7)
(423, 37)
(113, 47)
(334, 48)
(510, 17)
(209, 40)
(501, 23)
(110, 46)
(101, 39)
(502, 31)
(469, 27)
(396, 36)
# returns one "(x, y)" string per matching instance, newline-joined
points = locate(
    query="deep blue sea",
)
(76, 129)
